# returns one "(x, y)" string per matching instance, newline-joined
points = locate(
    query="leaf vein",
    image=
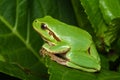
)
(15, 32)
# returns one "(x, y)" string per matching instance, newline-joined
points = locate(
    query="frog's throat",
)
(48, 42)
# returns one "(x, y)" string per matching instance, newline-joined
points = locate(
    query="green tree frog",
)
(67, 45)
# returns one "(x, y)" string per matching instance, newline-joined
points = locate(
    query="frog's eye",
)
(35, 20)
(43, 26)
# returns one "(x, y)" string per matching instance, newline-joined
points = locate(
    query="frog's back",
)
(65, 29)
(76, 37)
(73, 35)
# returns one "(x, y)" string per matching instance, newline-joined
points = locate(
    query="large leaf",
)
(19, 43)
(104, 19)
(110, 10)
(17, 39)
(111, 13)
(81, 16)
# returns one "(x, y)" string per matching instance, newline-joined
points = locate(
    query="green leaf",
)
(19, 55)
(98, 12)
(81, 16)
(111, 13)
(110, 9)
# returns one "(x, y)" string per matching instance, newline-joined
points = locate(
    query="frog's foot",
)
(43, 52)
(59, 58)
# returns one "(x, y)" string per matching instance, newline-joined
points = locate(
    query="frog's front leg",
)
(56, 49)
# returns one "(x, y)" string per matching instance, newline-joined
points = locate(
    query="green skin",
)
(74, 46)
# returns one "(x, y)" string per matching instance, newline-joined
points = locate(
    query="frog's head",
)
(43, 28)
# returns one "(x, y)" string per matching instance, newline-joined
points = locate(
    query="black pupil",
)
(43, 26)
